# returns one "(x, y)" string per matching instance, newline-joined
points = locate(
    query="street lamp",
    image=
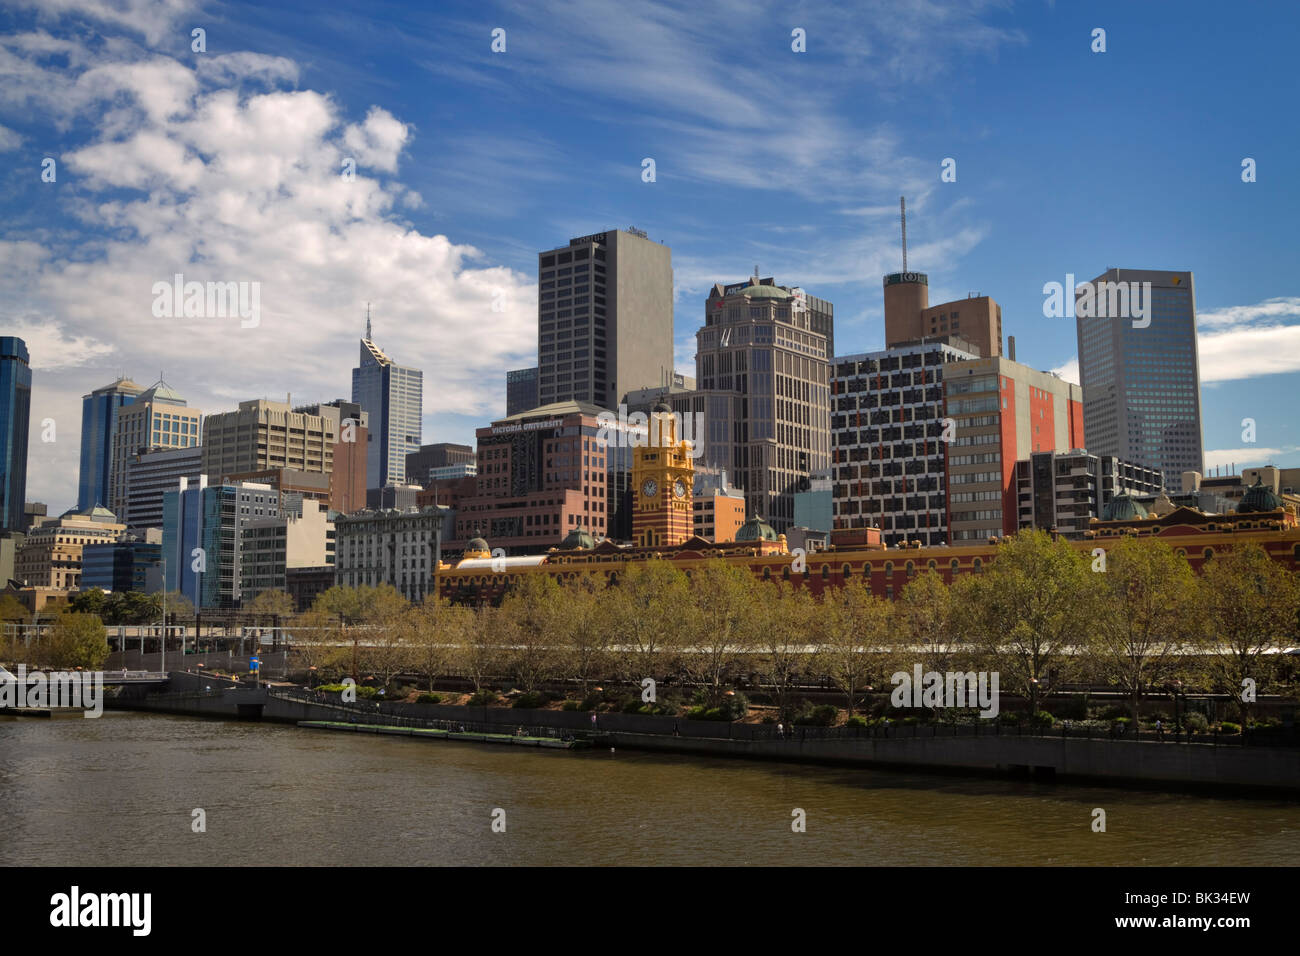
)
(1178, 723)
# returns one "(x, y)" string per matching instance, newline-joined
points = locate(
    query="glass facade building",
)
(15, 419)
(392, 395)
(1141, 376)
(98, 427)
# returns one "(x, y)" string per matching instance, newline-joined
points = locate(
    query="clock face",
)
(679, 488)
(650, 488)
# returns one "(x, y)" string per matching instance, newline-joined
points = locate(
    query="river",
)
(122, 790)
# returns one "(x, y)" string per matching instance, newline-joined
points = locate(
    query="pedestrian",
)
(593, 720)
(1158, 727)
(780, 730)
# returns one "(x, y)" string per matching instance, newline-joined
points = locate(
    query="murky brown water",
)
(121, 790)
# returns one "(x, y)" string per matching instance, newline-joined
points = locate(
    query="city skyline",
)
(435, 238)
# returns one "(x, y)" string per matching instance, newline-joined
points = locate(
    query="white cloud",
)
(1244, 457)
(1069, 371)
(9, 139)
(222, 176)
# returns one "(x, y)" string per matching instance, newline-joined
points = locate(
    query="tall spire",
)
(368, 336)
(902, 216)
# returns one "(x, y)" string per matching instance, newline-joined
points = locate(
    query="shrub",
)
(429, 699)
(366, 693)
(707, 713)
(1009, 718)
(571, 705)
(630, 705)
(1196, 722)
(1228, 727)
(1041, 718)
(823, 715)
(856, 721)
(481, 698)
(530, 701)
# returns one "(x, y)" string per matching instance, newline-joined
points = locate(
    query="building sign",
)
(738, 286)
(526, 427)
(598, 237)
(895, 278)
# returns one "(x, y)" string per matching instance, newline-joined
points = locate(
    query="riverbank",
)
(1164, 762)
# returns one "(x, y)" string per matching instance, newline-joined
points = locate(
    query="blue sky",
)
(224, 164)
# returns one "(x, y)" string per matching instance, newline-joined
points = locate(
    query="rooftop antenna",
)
(902, 217)
(368, 338)
(755, 272)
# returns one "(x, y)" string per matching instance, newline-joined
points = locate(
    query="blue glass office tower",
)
(15, 418)
(98, 426)
(393, 397)
(1141, 375)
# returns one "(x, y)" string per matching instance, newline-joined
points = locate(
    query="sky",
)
(384, 153)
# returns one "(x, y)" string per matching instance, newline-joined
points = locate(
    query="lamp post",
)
(1178, 722)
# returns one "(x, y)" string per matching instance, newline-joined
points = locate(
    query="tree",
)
(1143, 616)
(924, 616)
(435, 632)
(77, 640)
(785, 641)
(644, 614)
(855, 629)
(88, 602)
(529, 621)
(1029, 611)
(270, 605)
(480, 655)
(178, 606)
(582, 629)
(721, 623)
(1248, 604)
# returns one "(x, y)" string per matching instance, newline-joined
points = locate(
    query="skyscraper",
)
(1139, 368)
(15, 417)
(99, 412)
(392, 395)
(604, 318)
(763, 388)
(157, 418)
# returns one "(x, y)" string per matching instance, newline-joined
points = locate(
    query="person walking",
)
(780, 730)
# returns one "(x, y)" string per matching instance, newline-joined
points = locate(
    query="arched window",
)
(826, 572)
(933, 565)
(956, 567)
(785, 572)
(847, 571)
(977, 566)
(1182, 552)
(889, 570)
(1207, 553)
(911, 570)
(767, 573)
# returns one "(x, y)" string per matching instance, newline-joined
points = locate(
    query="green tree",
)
(581, 629)
(1249, 605)
(530, 627)
(721, 624)
(1143, 616)
(270, 605)
(480, 654)
(89, 602)
(1030, 611)
(855, 629)
(785, 642)
(77, 640)
(924, 613)
(644, 611)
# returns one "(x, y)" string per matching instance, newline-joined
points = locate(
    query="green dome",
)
(756, 291)
(578, 538)
(756, 529)
(1124, 508)
(1258, 498)
(477, 544)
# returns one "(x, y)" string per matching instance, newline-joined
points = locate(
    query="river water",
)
(122, 790)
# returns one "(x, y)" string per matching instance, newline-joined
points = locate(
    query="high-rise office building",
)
(392, 396)
(348, 476)
(909, 317)
(521, 390)
(15, 418)
(98, 424)
(1063, 491)
(1001, 412)
(763, 388)
(210, 518)
(158, 418)
(887, 424)
(604, 318)
(151, 475)
(1140, 373)
(265, 435)
(442, 455)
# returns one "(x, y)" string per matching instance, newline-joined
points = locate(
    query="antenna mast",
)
(902, 216)
(368, 338)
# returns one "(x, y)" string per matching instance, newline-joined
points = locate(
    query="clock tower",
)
(663, 485)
